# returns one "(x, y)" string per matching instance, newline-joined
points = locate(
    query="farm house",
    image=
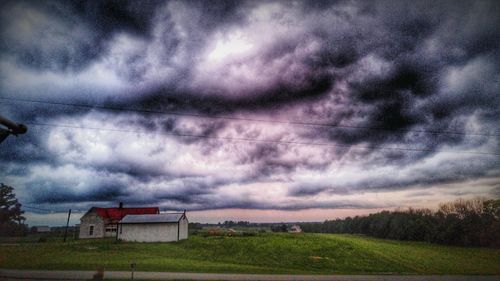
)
(295, 229)
(103, 222)
(166, 227)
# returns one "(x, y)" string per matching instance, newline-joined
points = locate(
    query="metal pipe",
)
(14, 127)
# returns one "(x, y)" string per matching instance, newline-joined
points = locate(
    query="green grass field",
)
(263, 253)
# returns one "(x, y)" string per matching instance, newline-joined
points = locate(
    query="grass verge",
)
(276, 253)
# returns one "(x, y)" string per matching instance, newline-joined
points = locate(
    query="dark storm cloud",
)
(309, 190)
(396, 73)
(190, 191)
(89, 23)
(113, 16)
(53, 192)
(24, 150)
(423, 178)
(416, 76)
(277, 96)
(268, 160)
(288, 206)
(391, 98)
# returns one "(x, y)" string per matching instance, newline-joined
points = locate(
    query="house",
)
(295, 229)
(103, 222)
(164, 227)
(41, 228)
(231, 232)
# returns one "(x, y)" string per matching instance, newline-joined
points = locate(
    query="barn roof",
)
(157, 218)
(116, 214)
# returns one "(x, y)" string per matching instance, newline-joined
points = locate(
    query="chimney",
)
(121, 205)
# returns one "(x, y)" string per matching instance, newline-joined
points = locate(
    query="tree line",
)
(474, 222)
(234, 223)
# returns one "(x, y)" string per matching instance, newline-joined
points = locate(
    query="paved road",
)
(10, 274)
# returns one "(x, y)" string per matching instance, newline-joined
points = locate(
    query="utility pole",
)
(67, 224)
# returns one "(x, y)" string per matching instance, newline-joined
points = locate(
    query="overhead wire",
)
(36, 208)
(48, 210)
(235, 118)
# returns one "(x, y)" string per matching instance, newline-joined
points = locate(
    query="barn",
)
(164, 227)
(103, 222)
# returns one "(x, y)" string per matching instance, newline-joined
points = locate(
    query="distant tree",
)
(195, 226)
(284, 228)
(465, 222)
(492, 208)
(243, 223)
(11, 215)
(279, 228)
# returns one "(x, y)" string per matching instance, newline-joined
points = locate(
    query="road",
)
(12, 274)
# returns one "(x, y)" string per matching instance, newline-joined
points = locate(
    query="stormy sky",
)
(260, 111)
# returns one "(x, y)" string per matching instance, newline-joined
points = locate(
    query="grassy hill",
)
(263, 253)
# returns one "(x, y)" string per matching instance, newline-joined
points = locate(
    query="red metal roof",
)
(113, 215)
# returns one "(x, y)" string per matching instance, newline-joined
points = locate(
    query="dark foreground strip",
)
(38, 275)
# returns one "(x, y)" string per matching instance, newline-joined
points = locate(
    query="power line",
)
(36, 208)
(47, 210)
(264, 141)
(112, 108)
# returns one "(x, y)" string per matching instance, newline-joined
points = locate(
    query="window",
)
(111, 228)
(91, 230)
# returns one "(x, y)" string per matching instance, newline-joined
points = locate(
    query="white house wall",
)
(91, 219)
(183, 229)
(149, 232)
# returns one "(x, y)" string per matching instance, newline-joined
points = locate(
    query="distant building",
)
(231, 232)
(41, 228)
(295, 229)
(165, 227)
(103, 222)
